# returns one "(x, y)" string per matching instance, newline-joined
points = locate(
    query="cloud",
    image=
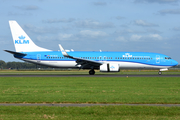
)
(59, 20)
(135, 37)
(156, 1)
(65, 36)
(99, 3)
(140, 38)
(129, 31)
(93, 34)
(93, 24)
(153, 31)
(61, 37)
(145, 37)
(19, 14)
(144, 23)
(40, 30)
(176, 28)
(45, 38)
(120, 38)
(28, 7)
(155, 36)
(120, 18)
(4, 42)
(169, 11)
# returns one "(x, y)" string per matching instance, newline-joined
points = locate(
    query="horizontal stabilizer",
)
(17, 53)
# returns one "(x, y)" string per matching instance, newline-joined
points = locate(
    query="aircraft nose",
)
(175, 63)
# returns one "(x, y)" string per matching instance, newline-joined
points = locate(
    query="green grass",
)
(85, 72)
(90, 113)
(90, 90)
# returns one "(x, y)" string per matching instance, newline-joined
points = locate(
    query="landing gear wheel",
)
(160, 73)
(91, 72)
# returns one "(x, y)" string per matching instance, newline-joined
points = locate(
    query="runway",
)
(83, 104)
(40, 75)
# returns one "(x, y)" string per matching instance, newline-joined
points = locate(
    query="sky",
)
(93, 25)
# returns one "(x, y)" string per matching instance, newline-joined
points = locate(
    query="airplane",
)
(28, 51)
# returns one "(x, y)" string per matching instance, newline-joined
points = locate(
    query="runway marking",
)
(83, 105)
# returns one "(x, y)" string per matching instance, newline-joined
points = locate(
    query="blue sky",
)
(93, 25)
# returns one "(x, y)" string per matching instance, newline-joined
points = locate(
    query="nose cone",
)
(175, 63)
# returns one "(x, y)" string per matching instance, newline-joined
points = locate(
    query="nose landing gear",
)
(160, 73)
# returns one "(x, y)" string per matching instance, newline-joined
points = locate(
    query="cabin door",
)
(38, 57)
(157, 59)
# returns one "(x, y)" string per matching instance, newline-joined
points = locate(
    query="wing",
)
(84, 63)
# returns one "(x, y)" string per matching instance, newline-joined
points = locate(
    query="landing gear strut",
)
(160, 73)
(91, 72)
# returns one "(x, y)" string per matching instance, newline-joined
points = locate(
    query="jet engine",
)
(109, 67)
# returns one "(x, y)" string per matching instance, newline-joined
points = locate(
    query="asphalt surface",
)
(21, 75)
(84, 105)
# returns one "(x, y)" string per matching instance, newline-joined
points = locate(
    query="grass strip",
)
(160, 90)
(95, 112)
(85, 72)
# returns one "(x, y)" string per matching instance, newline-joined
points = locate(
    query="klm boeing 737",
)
(28, 51)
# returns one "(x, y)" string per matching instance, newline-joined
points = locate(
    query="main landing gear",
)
(160, 73)
(91, 72)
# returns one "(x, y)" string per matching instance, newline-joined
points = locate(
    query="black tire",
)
(91, 72)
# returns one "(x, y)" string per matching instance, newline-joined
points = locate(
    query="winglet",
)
(63, 51)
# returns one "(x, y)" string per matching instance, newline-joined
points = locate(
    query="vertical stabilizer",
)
(21, 40)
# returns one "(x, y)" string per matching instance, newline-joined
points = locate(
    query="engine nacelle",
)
(109, 67)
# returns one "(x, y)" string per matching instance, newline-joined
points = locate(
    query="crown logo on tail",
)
(21, 37)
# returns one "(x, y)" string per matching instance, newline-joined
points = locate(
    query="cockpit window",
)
(167, 58)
